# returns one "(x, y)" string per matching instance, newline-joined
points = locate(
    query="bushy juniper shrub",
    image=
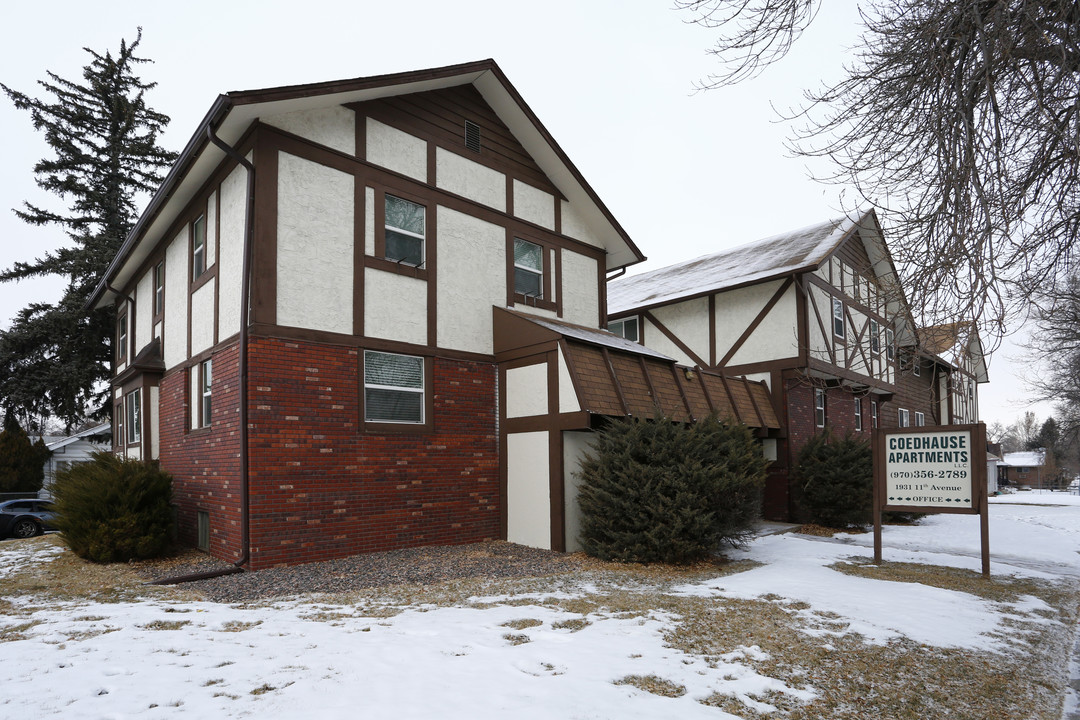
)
(113, 509)
(660, 491)
(836, 479)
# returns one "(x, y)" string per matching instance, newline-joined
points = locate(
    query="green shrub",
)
(658, 491)
(837, 481)
(113, 510)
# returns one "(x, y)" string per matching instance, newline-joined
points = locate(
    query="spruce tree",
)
(837, 481)
(22, 462)
(54, 359)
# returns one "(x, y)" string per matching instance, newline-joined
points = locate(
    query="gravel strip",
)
(419, 566)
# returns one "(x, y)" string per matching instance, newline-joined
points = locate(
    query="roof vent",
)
(472, 136)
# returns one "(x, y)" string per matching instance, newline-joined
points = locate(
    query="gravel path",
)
(421, 566)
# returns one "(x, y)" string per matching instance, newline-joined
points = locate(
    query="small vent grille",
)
(204, 530)
(472, 136)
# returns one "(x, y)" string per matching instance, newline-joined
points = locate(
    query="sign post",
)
(938, 469)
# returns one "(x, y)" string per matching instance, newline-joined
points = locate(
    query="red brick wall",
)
(322, 488)
(205, 463)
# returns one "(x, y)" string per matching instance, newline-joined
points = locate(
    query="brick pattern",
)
(322, 487)
(205, 463)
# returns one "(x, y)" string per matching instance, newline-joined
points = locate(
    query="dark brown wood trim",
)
(360, 211)
(753, 402)
(264, 260)
(360, 129)
(792, 363)
(712, 330)
(731, 399)
(216, 195)
(503, 453)
(705, 389)
(649, 382)
(558, 214)
(509, 193)
(615, 381)
(508, 356)
(558, 283)
(557, 491)
(827, 333)
(344, 340)
(802, 310)
(826, 368)
(203, 279)
(756, 322)
(571, 370)
(432, 162)
(431, 264)
(697, 360)
(679, 373)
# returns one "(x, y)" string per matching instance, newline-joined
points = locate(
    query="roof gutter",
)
(245, 305)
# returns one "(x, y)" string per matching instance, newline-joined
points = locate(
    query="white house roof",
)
(104, 430)
(1027, 458)
(782, 254)
(234, 113)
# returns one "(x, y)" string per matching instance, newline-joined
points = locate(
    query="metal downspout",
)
(245, 307)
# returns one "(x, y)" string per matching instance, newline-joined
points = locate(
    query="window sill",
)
(530, 301)
(398, 268)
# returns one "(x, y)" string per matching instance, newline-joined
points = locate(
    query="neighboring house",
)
(364, 315)
(68, 450)
(1026, 469)
(956, 347)
(818, 314)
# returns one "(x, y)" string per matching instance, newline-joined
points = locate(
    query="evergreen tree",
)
(837, 481)
(22, 463)
(54, 359)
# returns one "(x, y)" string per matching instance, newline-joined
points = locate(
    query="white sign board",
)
(930, 469)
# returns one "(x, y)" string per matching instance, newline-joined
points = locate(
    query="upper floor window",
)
(405, 227)
(875, 337)
(121, 337)
(393, 388)
(858, 413)
(627, 328)
(134, 415)
(206, 392)
(159, 288)
(904, 417)
(838, 317)
(920, 419)
(528, 269)
(873, 413)
(819, 407)
(198, 247)
(916, 366)
(890, 344)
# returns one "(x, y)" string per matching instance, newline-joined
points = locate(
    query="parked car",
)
(25, 518)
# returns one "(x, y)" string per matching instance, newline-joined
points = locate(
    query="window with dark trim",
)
(819, 407)
(133, 412)
(626, 328)
(904, 417)
(528, 269)
(118, 417)
(394, 389)
(916, 366)
(873, 413)
(405, 224)
(159, 288)
(890, 344)
(838, 317)
(920, 419)
(121, 337)
(198, 247)
(875, 337)
(206, 389)
(858, 413)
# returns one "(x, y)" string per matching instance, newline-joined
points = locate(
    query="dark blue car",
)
(25, 518)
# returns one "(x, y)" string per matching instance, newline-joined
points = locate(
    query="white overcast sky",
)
(685, 173)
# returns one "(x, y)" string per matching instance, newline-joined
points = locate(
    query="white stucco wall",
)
(334, 127)
(369, 221)
(470, 179)
(176, 293)
(575, 444)
(527, 391)
(202, 317)
(776, 337)
(395, 307)
(568, 400)
(472, 278)
(144, 310)
(819, 348)
(575, 226)
(658, 341)
(396, 150)
(230, 251)
(528, 495)
(581, 289)
(534, 205)
(314, 246)
(688, 321)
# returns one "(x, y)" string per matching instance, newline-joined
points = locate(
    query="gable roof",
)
(233, 114)
(776, 256)
(952, 343)
(96, 434)
(1025, 458)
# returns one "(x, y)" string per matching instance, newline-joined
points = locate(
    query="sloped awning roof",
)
(614, 377)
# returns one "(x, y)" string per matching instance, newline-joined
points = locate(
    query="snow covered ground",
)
(157, 659)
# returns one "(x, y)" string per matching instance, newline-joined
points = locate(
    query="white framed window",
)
(626, 328)
(858, 413)
(890, 344)
(920, 419)
(819, 407)
(198, 247)
(405, 225)
(916, 366)
(904, 417)
(528, 269)
(133, 411)
(393, 388)
(875, 337)
(838, 317)
(873, 413)
(206, 392)
(121, 337)
(118, 417)
(159, 288)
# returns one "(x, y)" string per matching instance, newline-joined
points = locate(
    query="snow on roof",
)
(777, 255)
(103, 430)
(1025, 458)
(602, 338)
